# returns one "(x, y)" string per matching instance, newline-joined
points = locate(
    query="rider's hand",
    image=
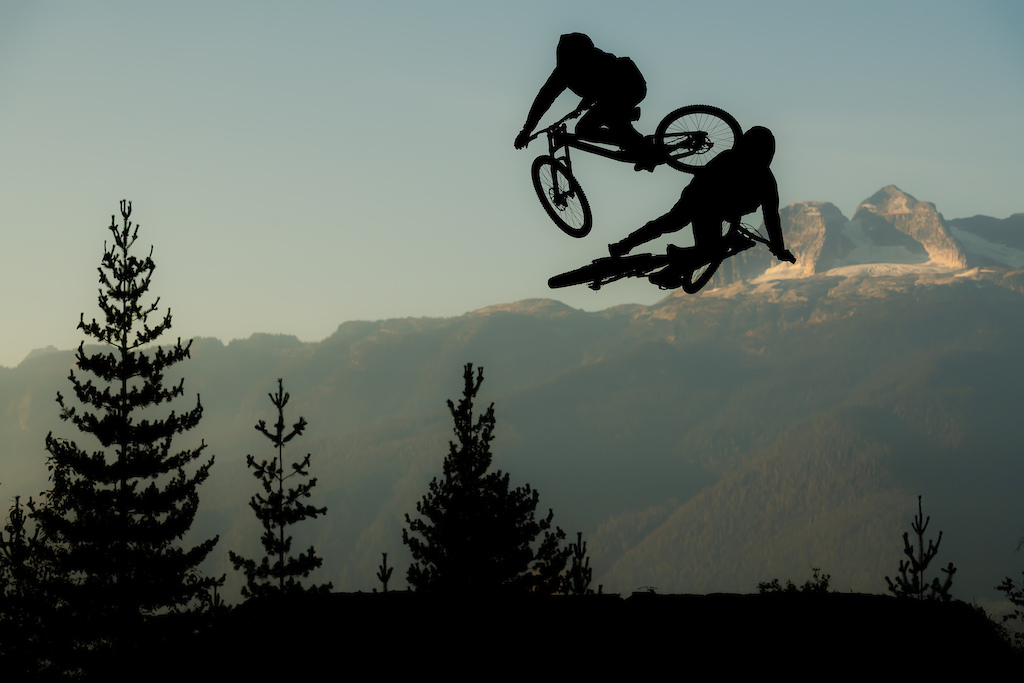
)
(784, 255)
(523, 139)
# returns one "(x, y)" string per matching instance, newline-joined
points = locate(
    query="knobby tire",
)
(572, 213)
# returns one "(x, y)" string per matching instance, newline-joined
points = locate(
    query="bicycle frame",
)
(608, 270)
(560, 138)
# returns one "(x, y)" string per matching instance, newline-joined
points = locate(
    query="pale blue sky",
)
(299, 165)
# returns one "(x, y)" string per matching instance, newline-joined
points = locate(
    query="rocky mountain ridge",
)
(890, 226)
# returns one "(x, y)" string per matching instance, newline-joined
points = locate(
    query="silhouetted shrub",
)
(1015, 594)
(818, 583)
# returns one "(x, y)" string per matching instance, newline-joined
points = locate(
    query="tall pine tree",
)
(120, 505)
(278, 510)
(476, 533)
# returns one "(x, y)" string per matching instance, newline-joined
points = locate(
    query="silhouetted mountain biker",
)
(611, 87)
(733, 184)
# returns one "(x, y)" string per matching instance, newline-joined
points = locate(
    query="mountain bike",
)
(686, 140)
(687, 267)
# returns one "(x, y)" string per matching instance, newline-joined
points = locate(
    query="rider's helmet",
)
(572, 47)
(758, 144)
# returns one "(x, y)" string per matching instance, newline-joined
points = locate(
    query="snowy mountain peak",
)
(919, 221)
(889, 228)
(891, 200)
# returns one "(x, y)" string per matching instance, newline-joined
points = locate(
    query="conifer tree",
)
(475, 533)
(278, 510)
(120, 504)
(384, 573)
(17, 559)
(911, 582)
(577, 580)
(23, 611)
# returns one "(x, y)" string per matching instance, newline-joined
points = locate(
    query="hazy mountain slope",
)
(1006, 231)
(822, 494)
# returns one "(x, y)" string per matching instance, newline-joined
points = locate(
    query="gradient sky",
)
(298, 165)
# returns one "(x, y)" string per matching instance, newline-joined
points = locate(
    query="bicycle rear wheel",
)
(692, 136)
(562, 197)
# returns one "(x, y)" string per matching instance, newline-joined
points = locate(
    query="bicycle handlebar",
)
(784, 255)
(571, 115)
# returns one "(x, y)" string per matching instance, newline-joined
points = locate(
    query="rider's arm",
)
(550, 91)
(770, 210)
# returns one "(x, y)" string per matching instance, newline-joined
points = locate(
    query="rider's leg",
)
(707, 233)
(611, 117)
(675, 219)
(709, 244)
(671, 276)
(611, 123)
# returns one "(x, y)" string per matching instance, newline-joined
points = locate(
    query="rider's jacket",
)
(600, 77)
(597, 77)
(731, 186)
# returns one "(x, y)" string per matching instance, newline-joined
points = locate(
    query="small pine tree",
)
(24, 611)
(16, 558)
(577, 580)
(911, 582)
(278, 510)
(384, 573)
(475, 532)
(114, 518)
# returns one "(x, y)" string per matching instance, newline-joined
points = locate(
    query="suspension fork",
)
(557, 139)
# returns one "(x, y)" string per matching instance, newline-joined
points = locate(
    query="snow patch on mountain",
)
(867, 251)
(892, 269)
(919, 221)
(976, 245)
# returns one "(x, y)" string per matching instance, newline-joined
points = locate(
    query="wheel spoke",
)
(562, 197)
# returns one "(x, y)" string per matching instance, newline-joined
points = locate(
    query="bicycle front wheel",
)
(695, 280)
(608, 269)
(692, 136)
(562, 197)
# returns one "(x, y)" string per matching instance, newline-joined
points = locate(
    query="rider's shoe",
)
(618, 249)
(648, 157)
(666, 278)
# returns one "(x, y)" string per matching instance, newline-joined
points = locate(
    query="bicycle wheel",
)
(562, 197)
(695, 280)
(692, 136)
(608, 269)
